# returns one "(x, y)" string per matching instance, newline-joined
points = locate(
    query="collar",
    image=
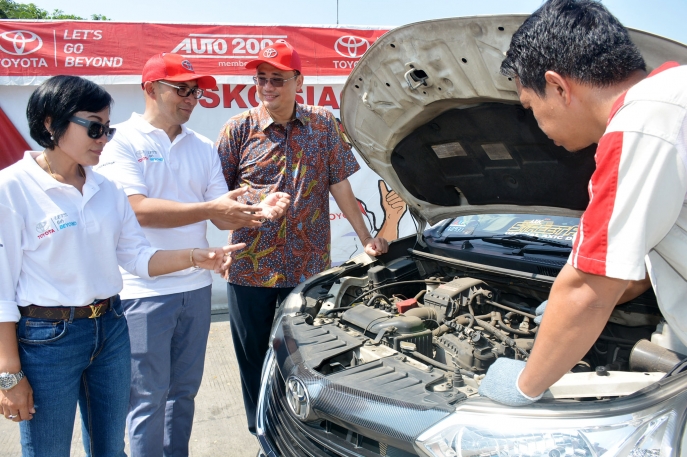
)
(146, 127)
(621, 100)
(47, 182)
(265, 120)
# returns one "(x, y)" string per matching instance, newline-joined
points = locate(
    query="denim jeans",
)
(251, 312)
(76, 361)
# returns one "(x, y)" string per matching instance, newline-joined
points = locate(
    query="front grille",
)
(293, 438)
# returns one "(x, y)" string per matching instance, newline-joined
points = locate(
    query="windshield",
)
(562, 229)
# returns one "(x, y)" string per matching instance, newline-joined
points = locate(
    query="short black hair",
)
(58, 98)
(579, 39)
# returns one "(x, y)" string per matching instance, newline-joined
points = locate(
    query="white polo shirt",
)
(144, 161)
(59, 247)
(636, 220)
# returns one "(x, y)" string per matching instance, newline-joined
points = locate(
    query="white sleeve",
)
(217, 185)
(119, 163)
(10, 263)
(636, 195)
(133, 249)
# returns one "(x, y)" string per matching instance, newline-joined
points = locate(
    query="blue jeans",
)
(251, 312)
(70, 362)
(169, 335)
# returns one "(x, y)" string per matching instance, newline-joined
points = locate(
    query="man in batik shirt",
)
(297, 149)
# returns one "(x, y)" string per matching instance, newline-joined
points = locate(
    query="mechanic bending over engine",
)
(577, 69)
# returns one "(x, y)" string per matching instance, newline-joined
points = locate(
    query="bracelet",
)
(191, 257)
(368, 238)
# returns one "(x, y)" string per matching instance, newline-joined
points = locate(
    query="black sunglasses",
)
(185, 91)
(94, 129)
(276, 82)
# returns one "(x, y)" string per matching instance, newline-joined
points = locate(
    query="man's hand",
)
(17, 403)
(501, 383)
(274, 206)
(229, 214)
(376, 246)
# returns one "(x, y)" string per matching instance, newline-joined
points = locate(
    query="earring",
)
(52, 137)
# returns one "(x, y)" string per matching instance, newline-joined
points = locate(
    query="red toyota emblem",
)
(269, 53)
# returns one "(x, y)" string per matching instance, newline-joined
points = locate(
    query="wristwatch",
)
(9, 380)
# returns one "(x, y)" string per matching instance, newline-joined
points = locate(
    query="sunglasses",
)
(94, 129)
(276, 82)
(185, 91)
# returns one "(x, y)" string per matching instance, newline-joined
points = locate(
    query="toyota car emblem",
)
(351, 46)
(20, 42)
(297, 398)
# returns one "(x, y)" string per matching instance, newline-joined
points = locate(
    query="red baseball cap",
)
(281, 55)
(174, 67)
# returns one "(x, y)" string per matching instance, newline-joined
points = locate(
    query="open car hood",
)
(430, 112)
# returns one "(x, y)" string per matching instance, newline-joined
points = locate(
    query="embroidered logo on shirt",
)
(61, 221)
(43, 229)
(152, 156)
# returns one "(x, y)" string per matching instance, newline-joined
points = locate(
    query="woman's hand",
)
(217, 259)
(17, 402)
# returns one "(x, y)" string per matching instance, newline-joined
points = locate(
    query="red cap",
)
(281, 55)
(174, 67)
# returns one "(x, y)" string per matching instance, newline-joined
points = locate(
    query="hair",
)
(579, 39)
(58, 98)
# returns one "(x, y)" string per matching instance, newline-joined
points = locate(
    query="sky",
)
(662, 17)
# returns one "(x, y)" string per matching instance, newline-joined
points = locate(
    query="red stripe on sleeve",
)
(591, 245)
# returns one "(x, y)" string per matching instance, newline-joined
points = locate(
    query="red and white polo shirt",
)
(637, 214)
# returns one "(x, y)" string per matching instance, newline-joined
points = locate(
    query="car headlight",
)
(648, 433)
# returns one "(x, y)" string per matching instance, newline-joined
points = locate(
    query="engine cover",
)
(371, 322)
(447, 298)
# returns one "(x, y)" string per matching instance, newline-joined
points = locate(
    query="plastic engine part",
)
(405, 305)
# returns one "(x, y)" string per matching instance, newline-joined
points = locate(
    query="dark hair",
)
(58, 98)
(579, 39)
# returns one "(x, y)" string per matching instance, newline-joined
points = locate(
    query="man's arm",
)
(343, 194)
(579, 307)
(225, 212)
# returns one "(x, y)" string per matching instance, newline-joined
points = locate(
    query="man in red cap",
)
(174, 181)
(282, 146)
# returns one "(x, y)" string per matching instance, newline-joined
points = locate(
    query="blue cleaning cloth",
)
(500, 383)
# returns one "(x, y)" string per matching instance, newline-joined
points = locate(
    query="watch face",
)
(7, 381)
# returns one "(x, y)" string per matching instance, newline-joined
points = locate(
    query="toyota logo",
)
(20, 42)
(187, 65)
(351, 46)
(40, 227)
(297, 398)
(269, 53)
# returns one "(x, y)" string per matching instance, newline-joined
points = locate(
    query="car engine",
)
(440, 318)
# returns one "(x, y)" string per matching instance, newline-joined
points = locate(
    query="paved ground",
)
(219, 428)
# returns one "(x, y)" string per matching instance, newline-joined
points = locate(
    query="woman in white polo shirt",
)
(64, 231)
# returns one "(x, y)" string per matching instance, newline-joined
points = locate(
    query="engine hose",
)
(465, 323)
(513, 310)
(413, 281)
(510, 329)
(423, 313)
(378, 296)
(420, 295)
(500, 335)
(336, 310)
(440, 365)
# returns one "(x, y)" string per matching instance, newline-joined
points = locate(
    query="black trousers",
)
(251, 312)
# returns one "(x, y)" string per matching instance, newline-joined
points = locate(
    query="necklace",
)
(45, 157)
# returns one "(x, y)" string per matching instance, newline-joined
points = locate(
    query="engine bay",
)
(438, 317)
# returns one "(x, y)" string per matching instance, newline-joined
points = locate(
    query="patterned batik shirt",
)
(302, 158)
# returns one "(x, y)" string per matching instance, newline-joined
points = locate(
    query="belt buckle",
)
(96, 311)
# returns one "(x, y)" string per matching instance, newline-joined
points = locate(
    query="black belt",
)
(95, 309)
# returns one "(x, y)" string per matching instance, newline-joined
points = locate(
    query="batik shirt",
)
(302, 158)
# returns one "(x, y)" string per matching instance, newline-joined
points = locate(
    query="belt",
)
(95, 309)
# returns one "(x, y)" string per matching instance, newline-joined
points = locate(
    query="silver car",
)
(383, 356)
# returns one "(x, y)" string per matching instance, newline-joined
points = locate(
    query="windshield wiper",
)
(517, 240)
